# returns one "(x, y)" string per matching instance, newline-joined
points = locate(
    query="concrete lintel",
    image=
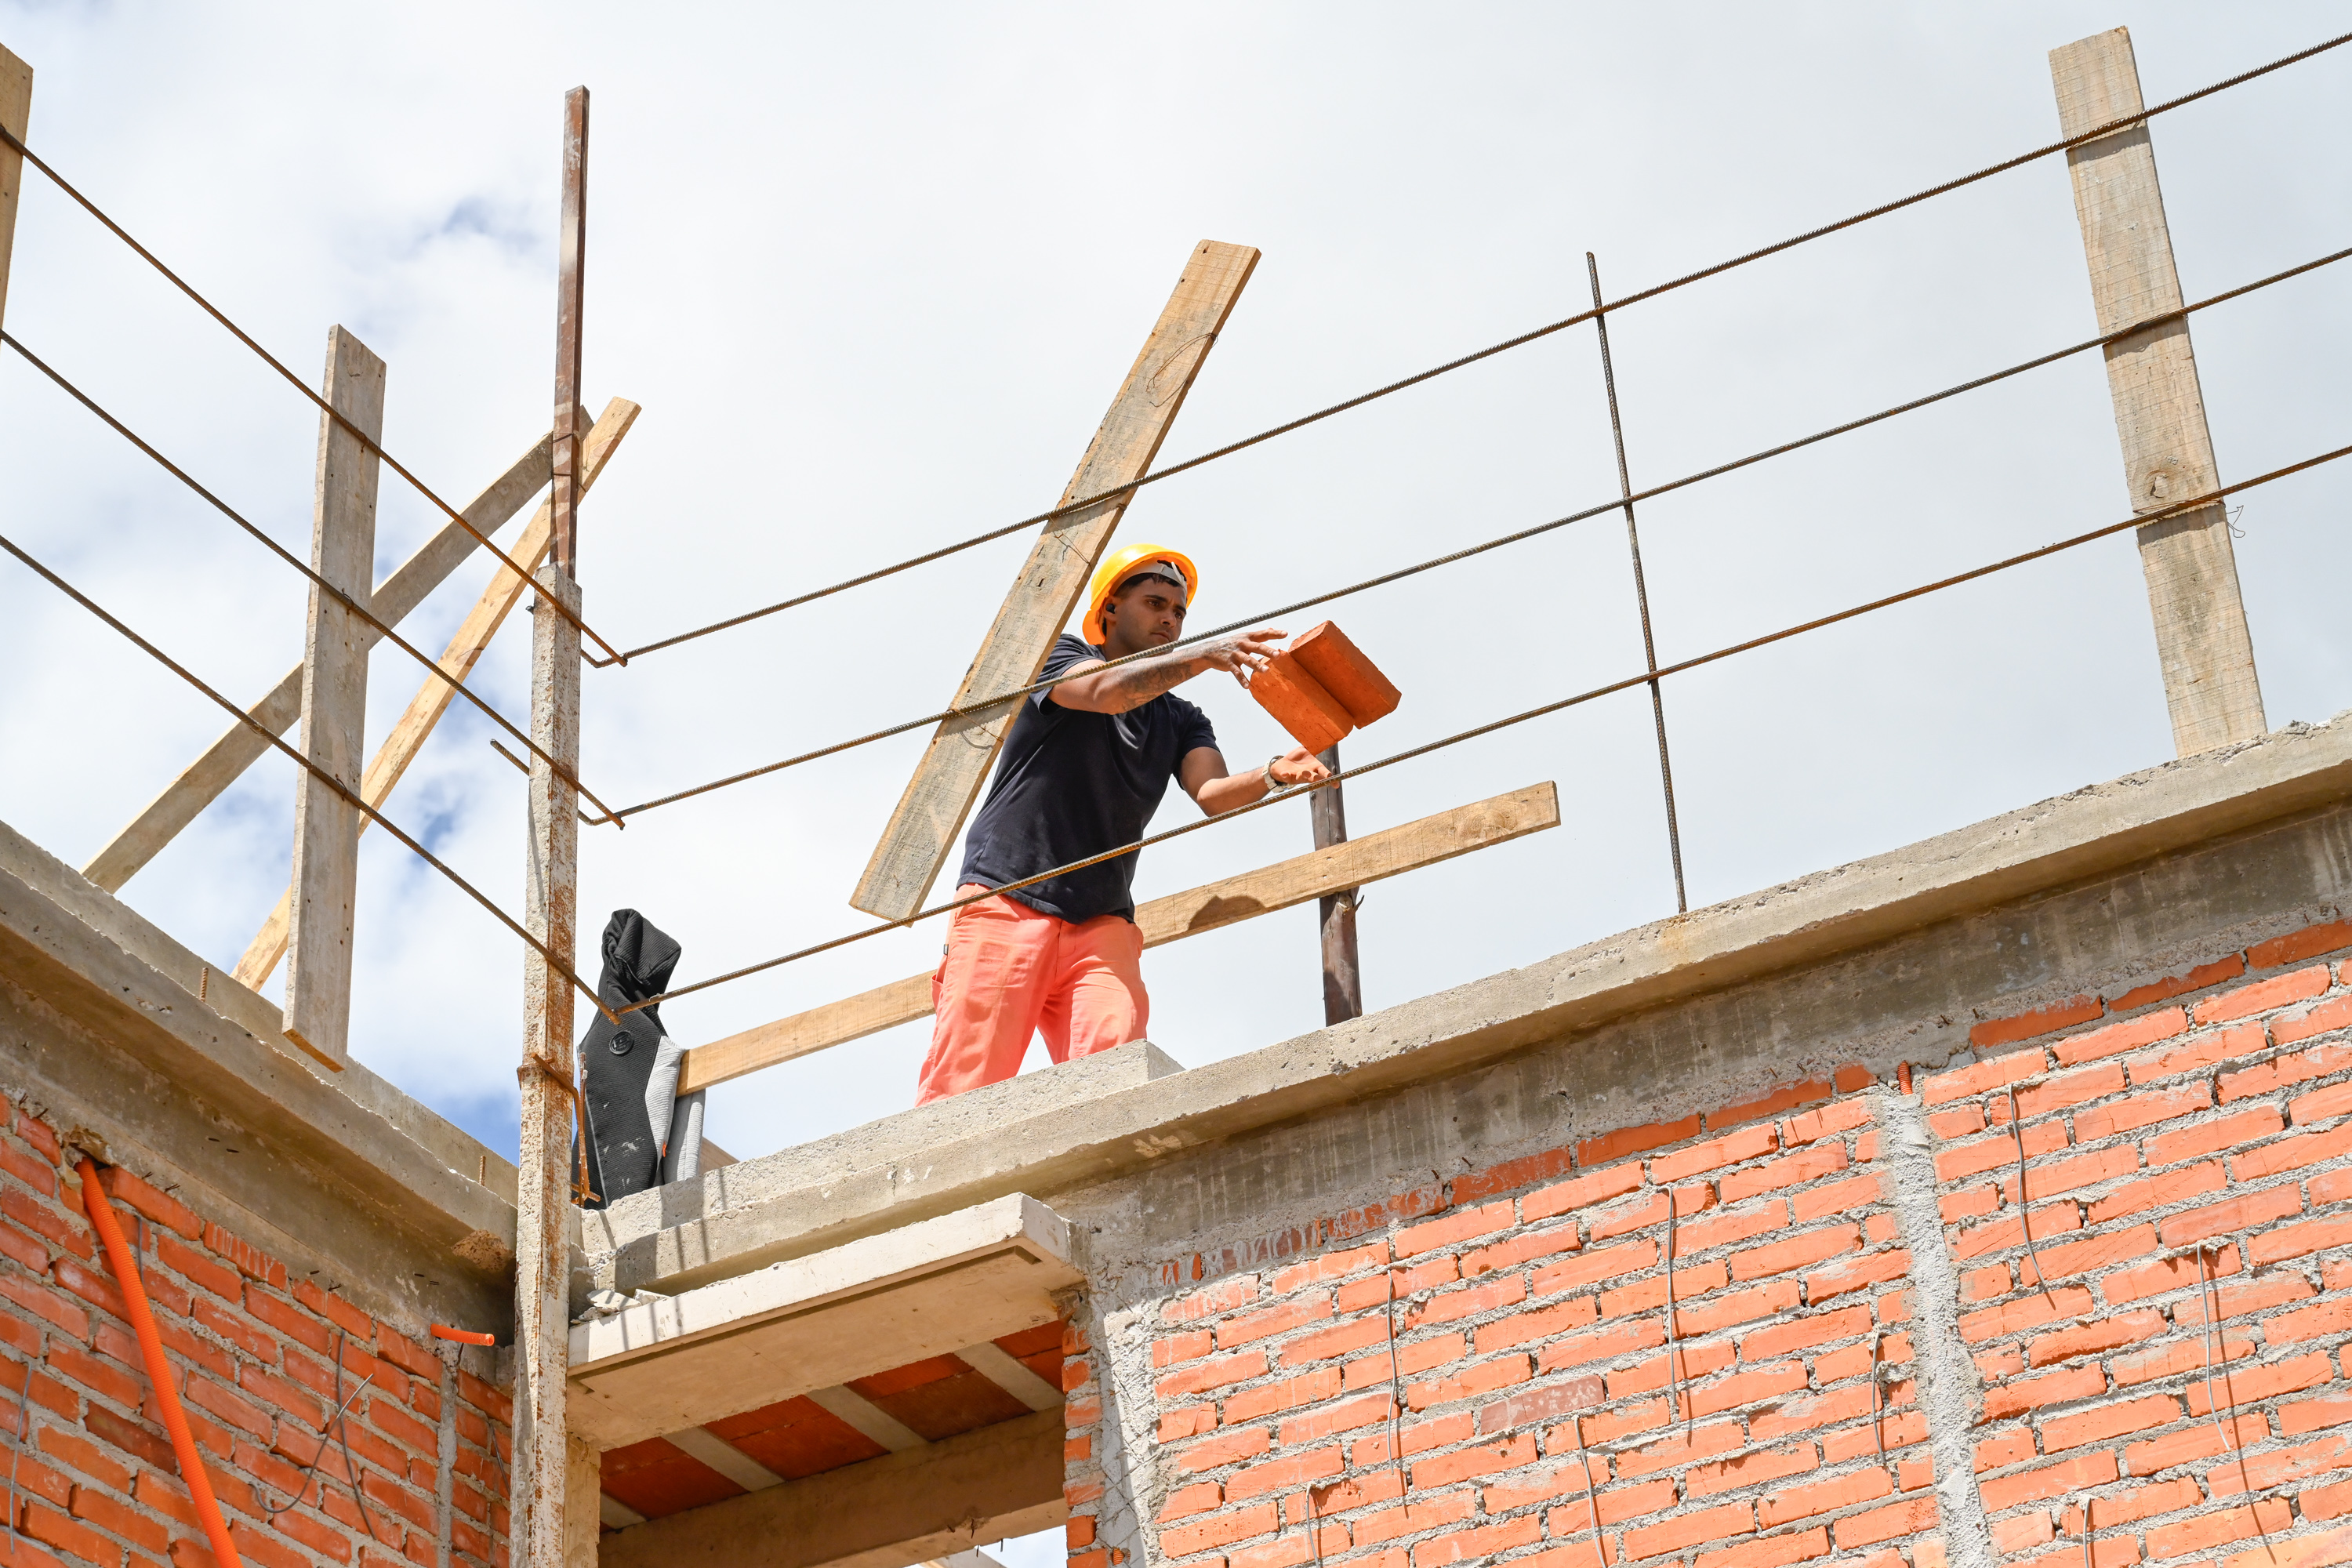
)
(902, 1508)
(904, 1168)
(239, 1115)
(803, 1326)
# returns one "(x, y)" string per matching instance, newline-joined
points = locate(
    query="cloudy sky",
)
(874, 272)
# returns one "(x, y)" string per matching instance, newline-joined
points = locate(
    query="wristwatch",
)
(1271, 782)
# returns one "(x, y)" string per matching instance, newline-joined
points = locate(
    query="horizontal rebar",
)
(1320, 414)
(1628, 683)
(241, 335)
(304, 567)
(332, 782)
(983, 704)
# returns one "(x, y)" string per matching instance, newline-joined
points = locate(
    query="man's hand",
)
(1243, 653)
(1296, 766)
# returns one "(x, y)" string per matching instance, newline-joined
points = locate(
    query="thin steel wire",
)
(1590, 1507)
(981, 705)
(1491, 726)
(304, 567)
(2024, 1217)
(1676, 1406)
(1641, 588)
(332, 782)
(241, 335)
(1469, 359)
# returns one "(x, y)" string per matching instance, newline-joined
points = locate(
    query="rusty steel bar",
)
(1520, 536)
(1411, 752)
(1641, 588)
(241, 335)
(1469, 359)
(422, 853)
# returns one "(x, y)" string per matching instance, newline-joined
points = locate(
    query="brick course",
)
(263, 1361)
(2165, 1335)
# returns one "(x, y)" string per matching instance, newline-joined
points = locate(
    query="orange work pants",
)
(1011, 972)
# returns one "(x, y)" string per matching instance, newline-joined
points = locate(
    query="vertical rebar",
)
(1641, 587)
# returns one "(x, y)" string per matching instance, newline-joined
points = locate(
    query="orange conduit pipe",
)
(159, 1371)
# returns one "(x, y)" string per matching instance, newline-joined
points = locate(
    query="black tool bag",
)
(624, 1148)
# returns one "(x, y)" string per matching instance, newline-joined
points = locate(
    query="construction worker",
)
(1086, 765)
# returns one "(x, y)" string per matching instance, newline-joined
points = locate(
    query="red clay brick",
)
(1740, 1306)
(1786, 1098)
(2025, 1312)
(2286, 1067)
(1856, 1274)
(2041, 1021)
(1170, 1349)
(2048, 1481)
(1981, 1077)
(1290, 1471)
(1460, 1226)
(2296, 945)
(1722, 1230)
(1330, 1265)
(1745, 1388)
(1396, 1284)
(1524, 1248)
(1468, 1301)
(2199, 1052)
(2161, 1191)
(1693, 1527)
(2089, 1339)
(2050, 1177)
(2165, 1275)
(1184, 1539)
(2140, 1110)
(2172, 985)
(1634, 1140)
(1788, 1171)
(2243, 1385)
(1910, 1517)
(1366, 1411)
(1649, 1209)
(2181, 1356)
(1748, 1470)
(1779, 1257)
(1283, 1315)
(2296, 1240)
(1771, 1551)
(2014, 1396)
(2263, 996)
(1998, 1151)
(1828, 1121)
(2061, 1432)
(2244, 1212)
(1284, 1393)
(1510, 1175)
(2208, 1531)
(1599, 1263)
(2322, 1018)
(1583, 1191)
(1217, 1300)
(1217, 1374)
(2297, 1153)
(1746, 1144)
(2209, 1137)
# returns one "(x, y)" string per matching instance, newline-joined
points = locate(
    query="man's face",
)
(1149, 613)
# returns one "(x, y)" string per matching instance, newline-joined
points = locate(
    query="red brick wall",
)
(1486, 1323)
(95, 1480)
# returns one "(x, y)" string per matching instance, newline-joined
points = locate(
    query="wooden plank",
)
(538, 1537)
(1327, 871)
(2211, 687)
(16, 114)
(1343, 979)
(334, 705)
(922, 831)
(432, 699)
(240, 746)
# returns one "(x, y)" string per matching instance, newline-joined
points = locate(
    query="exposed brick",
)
(1856, 1274)
(1293, 1313)
(2159, 1191)
(2209, 1137)
(2297, 945)
(2041, 1021)
(1627, 1141)
(1770, 1552)
(1184, 1539)
(1786, 1098)
(1283, 1393)
(2172, 985)
(1907, 1518)
(1693, 1527)
(2195, 1053)
(2052, 1177)
(160, 1207)
(1827, 1123)
(2295, 1240)
(2262, 995)
(1329, 1266)
(1524, 1248)
(1583, 1191)
(1595, 1264)
(2138, 1110)
(1999, 1151)
(1217, 1373)
(2321, 1018)
(2165, 1275)
(2025, 1312)
(1746, 1144)
(1788, 1171)
(2208, 1531)
(2090, 1339)
(1457, 1227)
(1779, 1257)
(2297, 1153)
(1218, 1299)
(1738, 1307)
(2243, 1212)
(2047, 1481)
(2193, 1442)
(2050, 1220)
(1748, 1470)
(2014, 1396)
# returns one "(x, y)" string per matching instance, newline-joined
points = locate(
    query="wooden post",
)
(407, 736)
(16, 115)
(334, 706)
(2208, 655)
(538, 1538)
(1343, 980)
(922, 831)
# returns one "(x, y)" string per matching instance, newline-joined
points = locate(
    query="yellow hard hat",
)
(1117, 568)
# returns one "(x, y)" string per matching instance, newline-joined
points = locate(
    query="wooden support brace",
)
(239, 747)
(2208, 655)
(922, 831)
(1343, 979)
(433, 697)
(334, 706)
(1341, 866)
(16, 114)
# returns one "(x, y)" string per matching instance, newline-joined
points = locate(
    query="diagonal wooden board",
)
(922, 830)
(239, 747)
(432, 699)
(1342, 867)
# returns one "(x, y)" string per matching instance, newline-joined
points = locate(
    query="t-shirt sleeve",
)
(1067, 651)
(1193, 730)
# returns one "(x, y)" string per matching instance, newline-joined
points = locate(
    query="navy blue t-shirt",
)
(1072, 784)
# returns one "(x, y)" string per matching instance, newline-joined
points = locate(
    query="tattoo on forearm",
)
(1139, 683)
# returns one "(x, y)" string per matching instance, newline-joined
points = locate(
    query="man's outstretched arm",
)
(1203, 773)
(1091, 688)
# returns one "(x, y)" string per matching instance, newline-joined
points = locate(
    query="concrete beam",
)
(808, 1325)
(891, 1512)
(107, 1021)
(1019, 1136)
